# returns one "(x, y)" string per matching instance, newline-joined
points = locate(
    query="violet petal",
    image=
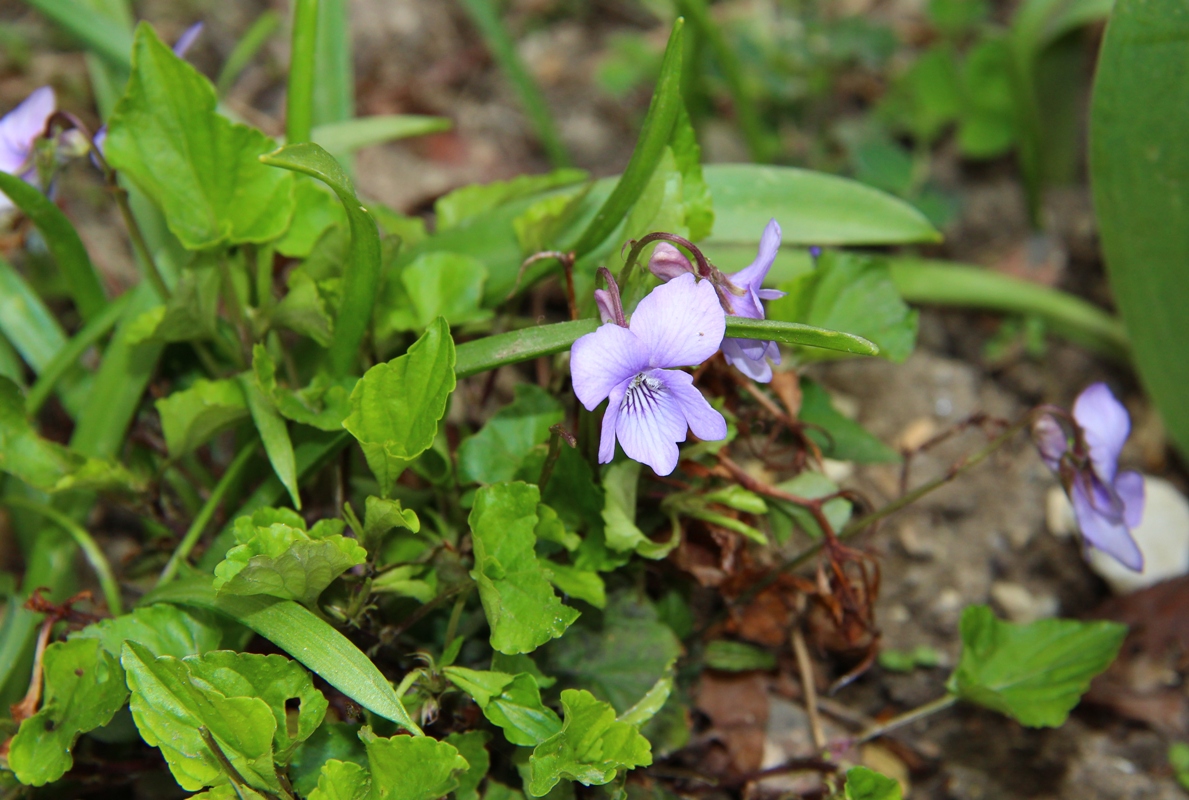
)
(1111, 537)
(1105, 424)
(651, 423)
(1129, 486)
(603, 359)
(706, 423)
(680, 322)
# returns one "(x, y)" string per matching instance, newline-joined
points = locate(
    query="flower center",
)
(642, 395)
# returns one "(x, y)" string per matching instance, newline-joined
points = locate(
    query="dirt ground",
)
(982, 539)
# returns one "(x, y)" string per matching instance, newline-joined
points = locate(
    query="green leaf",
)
(411, 767)
(305, 308)
(46, 465)
(191, 313)
(850, 293)
(169, 708)
(618, 657)
(361, 277)
(332, 742)
(284, 560)
(165, 630)
(198, 166)
(495, 453)
(988, 126)
(580, 583)
(99, 32)
(469, 202)
(434, 285)
(811, 485)
(307, 638)
(274, 679)
(316, 209)
(732, 656)
(350, 135)
(324, 404)
(84, 687)
(652, 702)
(1034, 673)
(472, 746)
(62, 240)
(815, 208)
(274, 434)
(191, 417)
(1139, 170)
(342, 780)
(620, 481)
(381, 515)
(867, 784)
(837, 436)
(520, 605)
(511, 702)
(695, 194)
(654, 136)
(396, 406)
(591, 747)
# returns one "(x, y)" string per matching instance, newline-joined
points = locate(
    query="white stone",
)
(1162, 536)
(1059, 513)
(1020, 604)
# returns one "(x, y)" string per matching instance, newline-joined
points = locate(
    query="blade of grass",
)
(69, 355)
(362, 275)
(306, 637)
(98, 32)
(62, 240)
(86, 543)
(334, 74)
(486, 18)
(299, 99)
(26, 322)
(654, 136)
(254, 38)
(353, 134)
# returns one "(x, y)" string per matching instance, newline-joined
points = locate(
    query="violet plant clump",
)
(650, 404)
(1108, 503)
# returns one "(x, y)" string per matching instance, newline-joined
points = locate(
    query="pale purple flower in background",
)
(1107, 503)
(749, 356)
(19, 130)
(650, 404)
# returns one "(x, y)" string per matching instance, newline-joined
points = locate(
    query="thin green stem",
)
(92, 551)
(138, 241)
(907, 718)
(198, 526)
(299, 102)
(69, 355)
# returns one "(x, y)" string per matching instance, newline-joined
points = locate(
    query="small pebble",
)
(1020, 604)
(1162, 536)
(1059, 514)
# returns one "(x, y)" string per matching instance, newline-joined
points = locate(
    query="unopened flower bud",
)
(668, 262)
(603, 301)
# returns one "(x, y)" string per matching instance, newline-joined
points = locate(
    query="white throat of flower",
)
(642, 394)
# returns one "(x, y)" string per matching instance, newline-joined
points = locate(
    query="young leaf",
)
(652, 702)
(333, 741)
(362, 273)
(191, 313)
(274, 679)
(458, 206)
(274, 434)
(305, 308)
(166, 630)
(591, 747)
(521, 607)
(171, 709)
(619, 514)
(867, 784)
(316, 209)
(381, 516)
(511, 702)
(46, 465)
(732, 656)
(1034, 673)
(191, 417)
(495, 453)
(411, 767)
(324, 404)
(396, 406)
(202, 169)
(284, 560)
(851, 293)
(84, 687)
(448, 285)
(342, 780)
(472, 746)
(839, 437)
(583, 584)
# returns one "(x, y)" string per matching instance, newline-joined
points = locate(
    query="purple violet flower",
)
(651, 405)
(748, 355)
(1107, 503)
(19, 130)
(667, 262)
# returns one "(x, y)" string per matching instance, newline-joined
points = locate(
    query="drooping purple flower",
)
(650, 404)
(667, 262)
(1107, 503)
(19, 130)
(749, 356)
